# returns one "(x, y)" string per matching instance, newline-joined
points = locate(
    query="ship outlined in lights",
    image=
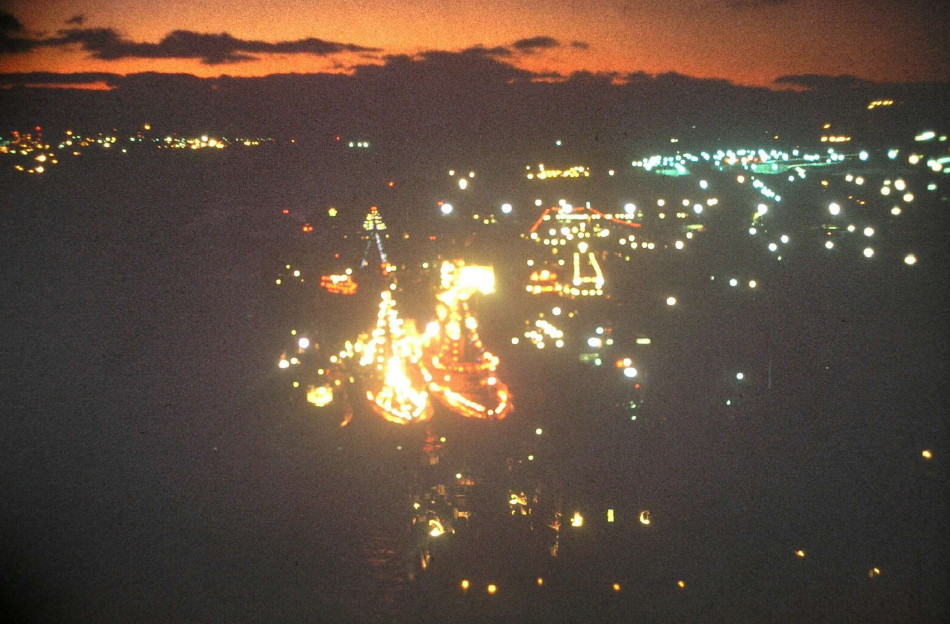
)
(391, 355)
(460, 372)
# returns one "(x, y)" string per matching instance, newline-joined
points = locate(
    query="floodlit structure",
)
(588, 278)
(569, 226)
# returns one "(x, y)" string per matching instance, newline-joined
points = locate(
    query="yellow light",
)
(800, 554)
(610, 515)
(577, 520)
(927, 454)
(465, 584)
(540, 582)
(616, 587)
(321, 396)
(645, 517)
(874, 572)
(491, 589)
(681, 584)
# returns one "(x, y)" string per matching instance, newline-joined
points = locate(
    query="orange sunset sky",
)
(746, 41)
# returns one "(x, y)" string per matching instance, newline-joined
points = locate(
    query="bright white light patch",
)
(476, 278)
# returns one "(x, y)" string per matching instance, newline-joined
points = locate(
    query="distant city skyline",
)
(748, 42)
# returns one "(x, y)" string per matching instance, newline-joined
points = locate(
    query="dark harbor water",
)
(158, 468)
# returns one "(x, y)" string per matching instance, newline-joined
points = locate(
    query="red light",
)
(391, 184)
(285, 211)
(636, 386)
(432, 238)
(307, 228)
(338, 138)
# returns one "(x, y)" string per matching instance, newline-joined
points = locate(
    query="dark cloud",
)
(533, 44)
(495, 52)
(459, 103)
(53, 78)
(9, 25)
(210, 49)
(523, 46)
(40, 82)
(78, 20)
(470, 66)
(822, 82)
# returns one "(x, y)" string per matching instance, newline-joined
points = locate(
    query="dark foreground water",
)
(157, 469)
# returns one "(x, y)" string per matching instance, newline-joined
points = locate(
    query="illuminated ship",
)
(390, 355)
(459, 371)
(373, 224)
(339, 284)
(543, 281)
